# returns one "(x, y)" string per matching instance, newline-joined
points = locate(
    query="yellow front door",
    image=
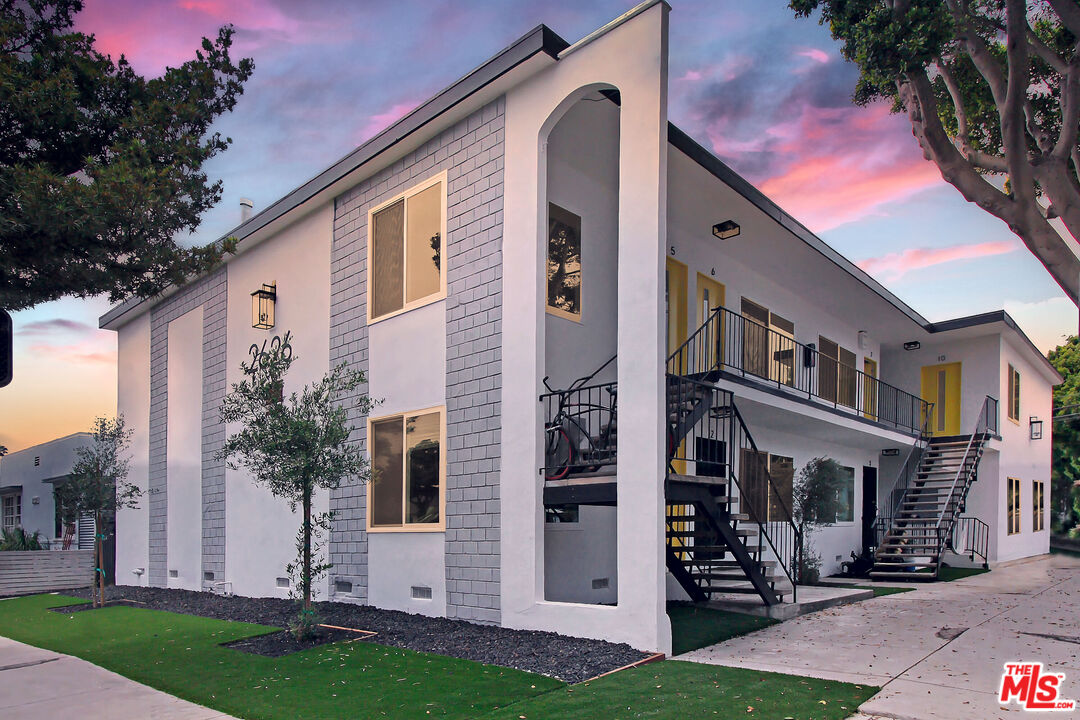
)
(676, 308)
(710, 295)
(870, 388)
(941, 386)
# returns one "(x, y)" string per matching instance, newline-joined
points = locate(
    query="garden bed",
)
(566, 658)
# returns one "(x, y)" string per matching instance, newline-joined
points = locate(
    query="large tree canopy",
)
(101, 169)
(992, 90)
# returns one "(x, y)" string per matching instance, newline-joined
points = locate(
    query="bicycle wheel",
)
(559, 454)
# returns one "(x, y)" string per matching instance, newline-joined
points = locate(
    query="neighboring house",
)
(27, 479)
(533, 221)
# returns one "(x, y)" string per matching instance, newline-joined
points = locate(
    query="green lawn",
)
(695, 627)
(948, 573)
(181, 654)
(878, 590)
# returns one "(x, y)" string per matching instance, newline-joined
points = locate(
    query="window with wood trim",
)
(408, 464)
(405, 240)
(1038, 506)
(12, 511)
(838, 380)
(1014, 394)
(758, 495)
(768, 343)
(564, 263)
(1012, 520)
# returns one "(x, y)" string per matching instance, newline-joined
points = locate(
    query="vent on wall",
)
(343, 586)
(283, 582)
(421, 592)
(37, 460)
(174, 573)
(600, 583)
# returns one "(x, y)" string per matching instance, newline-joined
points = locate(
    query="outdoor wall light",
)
(262, 306)
(726, 229)
(1036, 428)
(912, 345)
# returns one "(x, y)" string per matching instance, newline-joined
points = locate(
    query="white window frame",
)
(15, 500)
(404, 526)
(429, 299)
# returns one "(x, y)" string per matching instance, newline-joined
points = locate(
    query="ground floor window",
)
(757, 468)
(1038, 507)
(845, 495)
(408, 466)
(12, 511)
(1013, 520)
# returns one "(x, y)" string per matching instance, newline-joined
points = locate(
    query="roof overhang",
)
(1001, 322)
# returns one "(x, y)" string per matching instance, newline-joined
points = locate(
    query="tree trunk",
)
(305, 578)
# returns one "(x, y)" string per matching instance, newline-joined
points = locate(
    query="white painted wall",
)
(583, 177)
(53, 460)
(133, 402)
(633, 58)
(184, 450)
(1022, 457)
(260, 529)
(401, 560)
(576, 554)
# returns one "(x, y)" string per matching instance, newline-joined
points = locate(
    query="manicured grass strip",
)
(948, 573)
(181, 655)
(695, 627)
(675, 690)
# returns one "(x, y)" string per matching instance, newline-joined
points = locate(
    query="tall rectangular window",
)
(1038, 506)
(564, 263)
(408, 466)
(1013, 518)
(845, 496)
(12, 511)
(1014, 394)
(838, 380)
(406, 267)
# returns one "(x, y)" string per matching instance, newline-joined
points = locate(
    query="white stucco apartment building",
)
(533, 221)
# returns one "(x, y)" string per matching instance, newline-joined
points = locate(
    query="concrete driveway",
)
(37, 684)
(937, 652)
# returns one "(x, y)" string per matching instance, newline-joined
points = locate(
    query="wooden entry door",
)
(941, 386)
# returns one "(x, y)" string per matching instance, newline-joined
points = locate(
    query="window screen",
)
(387, 259)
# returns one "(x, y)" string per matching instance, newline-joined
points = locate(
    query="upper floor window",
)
(564, 263)
(405, 250)
(408, 467)
(12, 511)
(1014, 394)
(838, 380)
(768, 343)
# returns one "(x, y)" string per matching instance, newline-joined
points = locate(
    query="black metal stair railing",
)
(728, 342)
(708, 438)
(965, 473)
(970, 536)
(905, 477)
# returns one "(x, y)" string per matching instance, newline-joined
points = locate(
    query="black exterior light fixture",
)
(1036, 428)
(262, 306)
(726, 229)
(912, 345)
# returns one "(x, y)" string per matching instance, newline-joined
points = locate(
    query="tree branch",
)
(983, 161)
(1069, 12)
(979, 52)
(1070, 108)
(1013, 110)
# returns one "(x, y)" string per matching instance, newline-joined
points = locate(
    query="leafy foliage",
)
(19, 539)
(296, 444)
(98, 486)
(1065, 473)
(816, 504)
(100, 168)
(992, 88)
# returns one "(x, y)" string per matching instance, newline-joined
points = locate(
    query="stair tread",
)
(699, 479)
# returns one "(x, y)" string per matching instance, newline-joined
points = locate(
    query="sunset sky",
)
(769, 94)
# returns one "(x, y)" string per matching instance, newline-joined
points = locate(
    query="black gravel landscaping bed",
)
(283, 642)
(566, 658)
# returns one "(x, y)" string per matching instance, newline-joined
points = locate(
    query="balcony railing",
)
(729, 342)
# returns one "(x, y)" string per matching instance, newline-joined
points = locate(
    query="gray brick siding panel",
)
(210, 293)
(471, 152)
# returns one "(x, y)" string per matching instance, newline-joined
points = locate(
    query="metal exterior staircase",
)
(930, 496)
(729, 530)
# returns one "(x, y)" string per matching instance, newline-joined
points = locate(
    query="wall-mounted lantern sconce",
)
(1036, 428)
(262, 306)
(726, 229)
(912, 345)
(864, 339)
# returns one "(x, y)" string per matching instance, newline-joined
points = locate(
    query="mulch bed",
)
(284, 643)
(566, 658)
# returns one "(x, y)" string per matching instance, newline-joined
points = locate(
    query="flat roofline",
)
(989, 318)
(540, 39)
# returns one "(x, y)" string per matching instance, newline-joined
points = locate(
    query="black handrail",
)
(967, 462)
(714, 441)
(730, 342)
(910, 468)
(976, 536)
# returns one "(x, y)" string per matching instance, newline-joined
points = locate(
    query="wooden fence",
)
(26, 573)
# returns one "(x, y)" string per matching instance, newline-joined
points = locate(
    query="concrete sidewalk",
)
(37, 684)
(937, 652)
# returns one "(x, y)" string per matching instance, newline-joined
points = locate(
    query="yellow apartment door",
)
(676, 308)
(941, 386)
(870, 388)
(710, 295)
